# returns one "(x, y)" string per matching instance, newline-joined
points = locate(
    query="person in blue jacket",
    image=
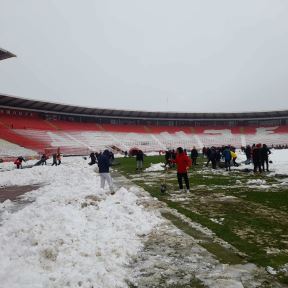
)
(104, 165)
(227, 158)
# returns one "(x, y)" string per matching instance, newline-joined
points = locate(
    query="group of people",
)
(279, 146)
(56, 160)
(170, 156)
(226, 154)
(94, 157)
(258, 154)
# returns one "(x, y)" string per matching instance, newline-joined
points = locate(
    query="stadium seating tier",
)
(39, 134)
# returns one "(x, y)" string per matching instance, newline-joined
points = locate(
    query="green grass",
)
(256, 221)
(277, 200)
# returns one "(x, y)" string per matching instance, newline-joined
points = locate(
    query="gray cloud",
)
(148, 55)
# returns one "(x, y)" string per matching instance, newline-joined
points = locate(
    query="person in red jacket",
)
(183, 163)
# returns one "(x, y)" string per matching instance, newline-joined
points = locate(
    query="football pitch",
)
(244, 213)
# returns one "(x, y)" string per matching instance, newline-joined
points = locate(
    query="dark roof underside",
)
(5, 54)
(56, 108)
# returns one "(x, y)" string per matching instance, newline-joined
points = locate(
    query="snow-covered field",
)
(74, 234)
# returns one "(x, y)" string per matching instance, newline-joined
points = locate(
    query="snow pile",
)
(74, 233)
(155, 167)
(256, 182)
(280, 161)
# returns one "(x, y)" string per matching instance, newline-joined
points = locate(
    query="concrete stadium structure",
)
(43, 126)
(4, 54)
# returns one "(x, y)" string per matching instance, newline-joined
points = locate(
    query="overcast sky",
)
(157, 55)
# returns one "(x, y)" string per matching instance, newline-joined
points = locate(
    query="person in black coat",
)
(218, 157)
(111, 157)
(194, 156)
(248, 152)
(93, 159)
(18, 162)
(213, 157)
(104, 165)
(44, 159)
(208, 152)
(168, 159)
(139, 160)
(204, 151)
(54, 157)
(265, 152)
(257, 158)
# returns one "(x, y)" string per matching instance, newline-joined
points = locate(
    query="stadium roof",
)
(13, 102)
(5, 54)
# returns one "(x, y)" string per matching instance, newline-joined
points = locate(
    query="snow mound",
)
(155, 167)
(74, 234)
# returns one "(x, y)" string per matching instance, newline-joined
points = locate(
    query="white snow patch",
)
(256, 182)
(271, 270)
(155, 167)
(217, 221)
(227, 197)
(271, 250)
(226, 276)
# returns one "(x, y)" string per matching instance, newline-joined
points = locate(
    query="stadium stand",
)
(43, 126)
(22, 122)
(8, 149)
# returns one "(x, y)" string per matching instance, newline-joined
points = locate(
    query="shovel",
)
(163, 186)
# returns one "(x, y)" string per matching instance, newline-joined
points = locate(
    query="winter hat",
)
(180, 150)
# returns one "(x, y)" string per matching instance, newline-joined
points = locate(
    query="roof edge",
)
(40, 105)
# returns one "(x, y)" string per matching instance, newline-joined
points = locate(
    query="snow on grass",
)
(74, 233)
(230, 276)
(217, 221)
(256, 182)
(155, 167)
(271, 270)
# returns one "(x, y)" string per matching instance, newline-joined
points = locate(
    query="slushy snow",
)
(74, 234)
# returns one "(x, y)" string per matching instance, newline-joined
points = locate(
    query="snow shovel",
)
(163, 187)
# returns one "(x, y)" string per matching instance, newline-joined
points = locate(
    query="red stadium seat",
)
(38, 134)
